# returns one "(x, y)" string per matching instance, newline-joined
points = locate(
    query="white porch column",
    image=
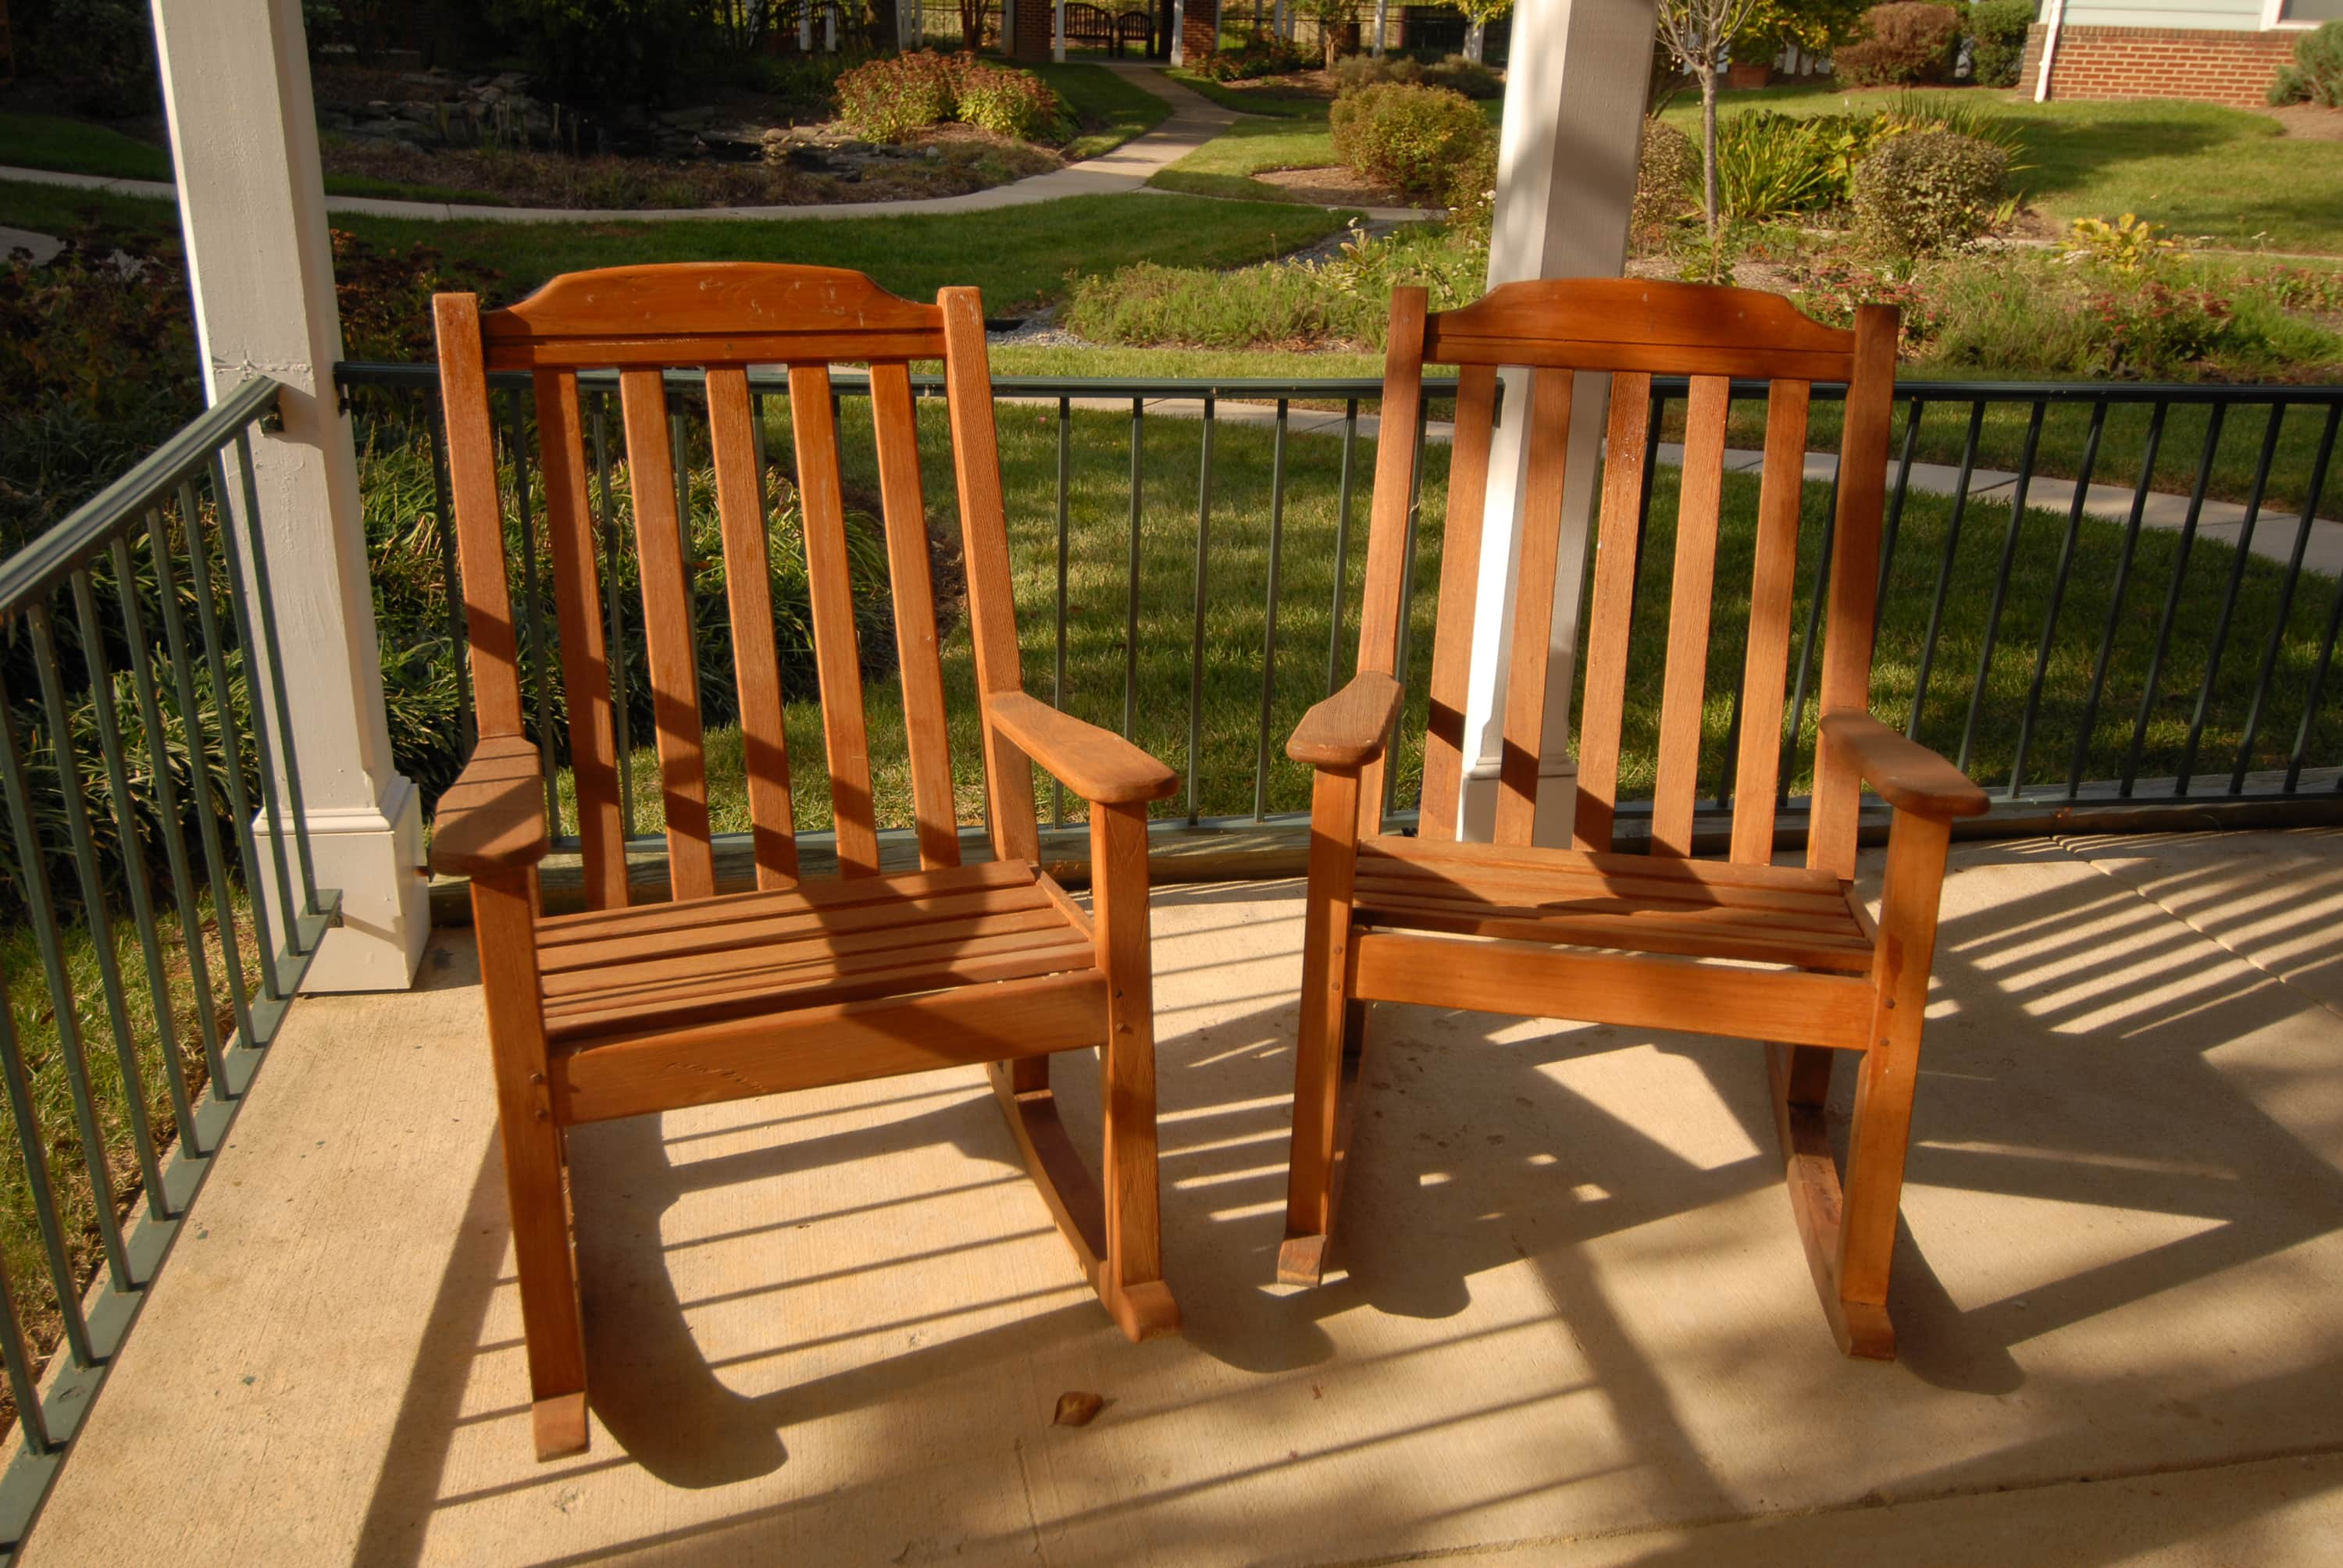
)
(1565, 189)
(260, 264)
(1179, 51)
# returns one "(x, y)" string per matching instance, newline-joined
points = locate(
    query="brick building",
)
(2219, 51)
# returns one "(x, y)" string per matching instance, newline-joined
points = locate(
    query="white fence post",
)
(1565, 189)
(260, 264)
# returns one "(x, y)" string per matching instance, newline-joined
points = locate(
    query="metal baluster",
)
(614, 603)
(452, 573)
(2115, 601)
(1058, 663)
(2057, 594)
(1131, 608)
(1269, 620)
(1895, 515)
(240, 613)
(1823, 550)
(264, 603)
(1945, 570)
(37, 1181)
(22, 1385)
(2215, 417)
(166, 793)
(541, 682)
(1196, 642)
(134, 859)
(2000, 584)
(1342, 550)
(2238, 565)
(2286, 597)
(45, 930)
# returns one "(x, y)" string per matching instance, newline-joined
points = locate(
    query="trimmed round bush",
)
(1928, 192)
(889, 98)
(1469, 77)
(2317, 74)
(1353, 72)
(1999, 28)
(1009, 104)
(1665, 173)
(1903, 42)
(1410, 139)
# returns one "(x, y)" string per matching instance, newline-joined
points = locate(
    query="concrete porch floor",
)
(1575, 1325)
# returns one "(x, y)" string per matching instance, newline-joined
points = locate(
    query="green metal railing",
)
(146, 762)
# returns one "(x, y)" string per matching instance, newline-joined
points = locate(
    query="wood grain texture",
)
(1348, 729)
(1610, 611)
(1380, 610)
(1096, 764)
(1313, 1162)
(1533, 577)
(585, 665)
(702, 313)
(1587, 312)
(557, 933)
(1134, 1248)
(1683, 692)
(479, 515)
(836, 1042)
(1444, 739)
(491, 819)
(667, 633)
(748, 596)
(1772, 584)
(1853, 578)
(984, 555)
(837, 652)
(1905, 774)
(917, 659)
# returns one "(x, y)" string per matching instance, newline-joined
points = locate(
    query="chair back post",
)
(1381, 613)
(479, 516)
(1854, 581)
(984, 546)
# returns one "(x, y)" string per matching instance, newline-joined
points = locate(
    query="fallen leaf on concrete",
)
(1077, 1408)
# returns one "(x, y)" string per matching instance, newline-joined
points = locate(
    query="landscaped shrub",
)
(1665, 175)
(1999, 29)
(1905, 41)
(1410, 139)
(2155, 331)
(1263, 54)
(1473, 191)
(1010, 104)
(2317, 74)
(611, 54)
(1353, 72)
(1470, 77)
(2131, 246)
(102, 52)
(889, 98)
(1928, 192)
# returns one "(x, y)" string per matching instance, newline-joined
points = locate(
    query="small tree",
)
(1698, 37)
(1480, 13)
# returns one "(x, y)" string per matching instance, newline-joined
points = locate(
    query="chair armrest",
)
(492, 819)
(1905, 774)
(1348, 730)
(1097, 764)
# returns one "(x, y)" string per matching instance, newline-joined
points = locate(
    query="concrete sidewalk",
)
(1194, 121)
(1575, 1324)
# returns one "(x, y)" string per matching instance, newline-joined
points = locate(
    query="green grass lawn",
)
(1237, 558)
(2226, 174)
(75, 146)
(1253, 100)
(1224, 167)
(1018, 255)
(1121, 106)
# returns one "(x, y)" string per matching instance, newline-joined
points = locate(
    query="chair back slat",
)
(748, 596)
(479, 516)
(1683, 692)
(984, 556)
(585, 664)
(1603, 709)
(667, 634)
(1854, 579)
(1539, 554)
(1772, 584)
(837, 653)
(1381, 614)
(917, 657)
(1635, 329)
(1460, 571)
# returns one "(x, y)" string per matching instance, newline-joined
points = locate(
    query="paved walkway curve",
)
(1194, 121)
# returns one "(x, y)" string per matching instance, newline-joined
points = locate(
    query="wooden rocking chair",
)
(1393, 919)
(619, 1011)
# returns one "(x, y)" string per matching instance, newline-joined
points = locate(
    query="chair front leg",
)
(1133, 1282)
(1314, 1169)
(1916, 847)
(504, 923)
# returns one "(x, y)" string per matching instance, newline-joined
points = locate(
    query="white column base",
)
(374, 855)
(1557, 803)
